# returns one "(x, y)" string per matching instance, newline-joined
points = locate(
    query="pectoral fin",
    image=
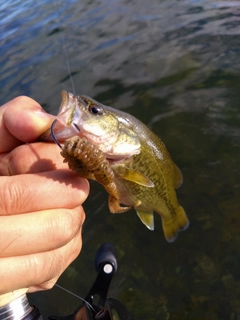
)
(146, 217)
(134, 176)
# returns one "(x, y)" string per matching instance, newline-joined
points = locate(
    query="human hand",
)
(41, 212)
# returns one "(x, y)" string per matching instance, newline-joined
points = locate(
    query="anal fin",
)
(146, 217)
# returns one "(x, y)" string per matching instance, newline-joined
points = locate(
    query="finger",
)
(40, 231)
(37, 271)
(22, 120)
(31, 158)
(42, 191)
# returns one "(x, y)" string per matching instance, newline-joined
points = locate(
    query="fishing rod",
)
(104, 309)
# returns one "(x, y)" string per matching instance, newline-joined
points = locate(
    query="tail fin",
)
(177, 223)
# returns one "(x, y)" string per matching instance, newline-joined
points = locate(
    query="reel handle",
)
(106, 254)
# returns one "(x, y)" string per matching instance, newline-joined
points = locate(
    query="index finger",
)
(22, 120)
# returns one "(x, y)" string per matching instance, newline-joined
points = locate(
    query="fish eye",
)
(95, 109)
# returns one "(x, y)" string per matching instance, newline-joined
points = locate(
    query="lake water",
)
(174, 65)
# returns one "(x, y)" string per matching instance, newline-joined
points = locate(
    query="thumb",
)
(22, 120)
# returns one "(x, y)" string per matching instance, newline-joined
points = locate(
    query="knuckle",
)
(65, 224)
(47, 267)
(47, 285)
(76, 247)
(35, 264)
(14, 196)
(6, 164)
(10, 164)
(21, 99)
(44, 269)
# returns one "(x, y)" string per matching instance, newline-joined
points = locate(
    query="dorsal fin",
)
(177, 177)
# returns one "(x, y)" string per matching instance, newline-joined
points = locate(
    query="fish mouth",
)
(64, 127)
(67, 108)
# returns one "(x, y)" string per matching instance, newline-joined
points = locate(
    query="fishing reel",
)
(95, 306)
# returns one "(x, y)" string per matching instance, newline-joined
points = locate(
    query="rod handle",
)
(10, 296)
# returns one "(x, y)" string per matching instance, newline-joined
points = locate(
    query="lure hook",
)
(53, 135)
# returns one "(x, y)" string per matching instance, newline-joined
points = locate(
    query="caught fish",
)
(125, 156)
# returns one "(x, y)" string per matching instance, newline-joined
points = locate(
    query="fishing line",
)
(65, 52)
(75, 295)
(68, 64)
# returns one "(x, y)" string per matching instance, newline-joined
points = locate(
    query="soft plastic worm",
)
(87, 160)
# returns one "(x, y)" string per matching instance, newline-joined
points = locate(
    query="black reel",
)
(105, 308)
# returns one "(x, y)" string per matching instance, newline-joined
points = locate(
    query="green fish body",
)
(125, 156)
(155, 163)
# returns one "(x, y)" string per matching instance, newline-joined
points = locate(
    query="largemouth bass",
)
(125, 156)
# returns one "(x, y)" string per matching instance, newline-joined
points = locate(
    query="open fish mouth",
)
(64, 127)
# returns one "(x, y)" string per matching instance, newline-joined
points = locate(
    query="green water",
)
(175, 65)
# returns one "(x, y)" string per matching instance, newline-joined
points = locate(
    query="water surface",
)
(175, 65)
